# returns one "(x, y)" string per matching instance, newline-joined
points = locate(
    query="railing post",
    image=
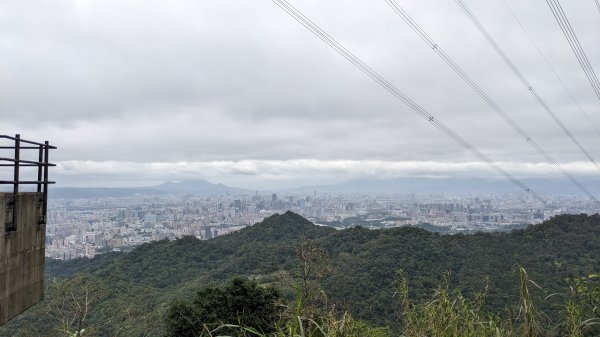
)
(46, 163)
(16, 167)
(39, 176)
(16, 181)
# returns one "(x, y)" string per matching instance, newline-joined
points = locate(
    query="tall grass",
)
(447, 314)
(529, 316)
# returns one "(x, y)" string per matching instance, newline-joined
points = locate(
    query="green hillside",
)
(136, 288)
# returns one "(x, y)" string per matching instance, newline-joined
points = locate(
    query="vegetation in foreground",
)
(448, 313)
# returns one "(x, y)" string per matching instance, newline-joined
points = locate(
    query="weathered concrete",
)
(21, 256)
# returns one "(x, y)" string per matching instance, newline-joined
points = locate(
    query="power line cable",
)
(522, 78)
(539, 50)
(423, 35)
(574, 43)
(358, 63)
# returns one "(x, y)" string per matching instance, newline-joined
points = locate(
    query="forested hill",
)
(259, 249)
(365, 262)
(269, 245)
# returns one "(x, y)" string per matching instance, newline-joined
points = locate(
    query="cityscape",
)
(86, 227)
(300, 168)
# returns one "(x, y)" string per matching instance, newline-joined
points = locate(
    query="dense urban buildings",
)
(87, 227)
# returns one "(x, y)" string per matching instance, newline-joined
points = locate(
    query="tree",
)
(313, 266)
(240, 301)
(70, 302)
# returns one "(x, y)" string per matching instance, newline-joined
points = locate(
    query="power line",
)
(423, 35)
(569, 34)
(598, 5)
(522, 78)
(340, 49)
(539, 50)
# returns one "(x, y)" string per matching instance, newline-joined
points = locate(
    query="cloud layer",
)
(239, 92)
(267, 174)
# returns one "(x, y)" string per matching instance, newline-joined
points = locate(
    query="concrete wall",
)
(21, 257)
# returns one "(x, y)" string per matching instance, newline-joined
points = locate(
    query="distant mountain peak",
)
(200, 186)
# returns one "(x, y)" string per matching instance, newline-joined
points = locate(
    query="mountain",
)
(188, 186)
(401, 185)
(98, 192)
(365, 264)
(196, 186)
(405, 185)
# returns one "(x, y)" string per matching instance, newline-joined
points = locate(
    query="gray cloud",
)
(162, 83)
(268, 174)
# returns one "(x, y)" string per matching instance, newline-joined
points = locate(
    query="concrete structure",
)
(22, 224)
(21, 254)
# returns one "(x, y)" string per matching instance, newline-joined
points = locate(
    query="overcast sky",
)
(135, 92)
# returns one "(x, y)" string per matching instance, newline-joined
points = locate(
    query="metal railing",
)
(20, 145)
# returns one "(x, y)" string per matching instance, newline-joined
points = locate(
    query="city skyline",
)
(81, 227)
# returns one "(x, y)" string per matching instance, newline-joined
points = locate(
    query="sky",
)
(137, 92)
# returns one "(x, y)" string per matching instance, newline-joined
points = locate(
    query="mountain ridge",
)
(364, 263)
(397, 185)
(439, 185)
(196, 186)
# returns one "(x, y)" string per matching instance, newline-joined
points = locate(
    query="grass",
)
(447, 314)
